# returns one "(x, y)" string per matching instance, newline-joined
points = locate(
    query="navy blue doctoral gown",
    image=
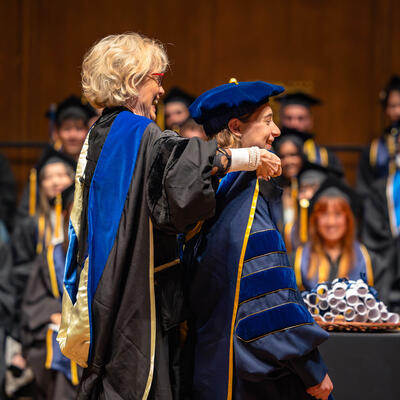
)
(255, 338)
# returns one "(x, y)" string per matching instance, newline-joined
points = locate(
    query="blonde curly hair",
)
(114, 67)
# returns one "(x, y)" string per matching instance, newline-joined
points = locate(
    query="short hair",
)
(114, 67)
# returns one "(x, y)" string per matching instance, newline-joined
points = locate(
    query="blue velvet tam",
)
(214, 108)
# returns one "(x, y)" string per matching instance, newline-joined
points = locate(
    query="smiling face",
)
(149, 92)
(332, 221)
(258, 129)
(72, 134)
(291, 159)
(176, 113)
(55, 179)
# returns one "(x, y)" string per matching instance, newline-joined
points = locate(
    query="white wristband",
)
(247, 159)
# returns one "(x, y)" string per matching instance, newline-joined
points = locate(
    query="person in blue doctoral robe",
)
(253, 336)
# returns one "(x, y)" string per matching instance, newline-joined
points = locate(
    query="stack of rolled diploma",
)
(354, 301)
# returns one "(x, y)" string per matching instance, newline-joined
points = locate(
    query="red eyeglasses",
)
(158, 76)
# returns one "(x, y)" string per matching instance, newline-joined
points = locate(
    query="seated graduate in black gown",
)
(56, 377)
(34, 234)
(332, 250)
(381, 234)
(254, 337)
(378, 160)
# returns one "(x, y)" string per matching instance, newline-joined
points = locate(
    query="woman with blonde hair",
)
(332, 250)
(136, 188)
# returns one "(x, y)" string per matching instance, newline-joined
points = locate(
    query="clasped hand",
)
(270, 166)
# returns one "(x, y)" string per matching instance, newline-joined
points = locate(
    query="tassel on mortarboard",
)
(303, 221)
(32, 191)
(160, 118)
(58, 209)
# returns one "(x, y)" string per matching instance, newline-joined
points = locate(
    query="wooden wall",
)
(343, 51)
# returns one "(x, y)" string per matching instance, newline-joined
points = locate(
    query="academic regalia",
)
(33, 234)
(380, 234)
(7, 299)
(254, 337)
(42, 298)
(378, 160)
(361, 267)
(123, 301)
(8, 194)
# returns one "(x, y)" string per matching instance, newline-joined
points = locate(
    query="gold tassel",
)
(391, 143)
(41, 227)
(32, 192)
(57, 145)
(160, 118)
(310, 150)
(294, 192)
(303, 221)
(58, 207)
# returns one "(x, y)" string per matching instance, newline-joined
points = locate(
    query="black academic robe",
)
(8, 193)
(7, 299)
(378, 237)
(39, 303)
(23, 244)
(123, 284)
(377, 160)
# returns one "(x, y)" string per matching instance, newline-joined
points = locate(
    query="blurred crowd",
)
(330, 229)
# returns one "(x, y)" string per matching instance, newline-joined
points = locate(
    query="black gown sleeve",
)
(365, 173)
(334, 162)
(38, 303)
(180, 187)
(7, 292)
(8, 194)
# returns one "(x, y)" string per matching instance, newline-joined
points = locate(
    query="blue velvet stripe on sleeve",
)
(266, 281)
(264, 242)
(285, 316)
(71, 264)
(394, 195)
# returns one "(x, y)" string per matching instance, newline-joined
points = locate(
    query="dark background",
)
(342, 51)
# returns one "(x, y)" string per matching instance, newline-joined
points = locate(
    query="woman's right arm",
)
(184, 176)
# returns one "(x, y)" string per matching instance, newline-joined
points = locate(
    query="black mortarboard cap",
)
(299, 98)
(50, 155)
(73, 107)
(334, 187)
(292, 134)
(178, 95)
